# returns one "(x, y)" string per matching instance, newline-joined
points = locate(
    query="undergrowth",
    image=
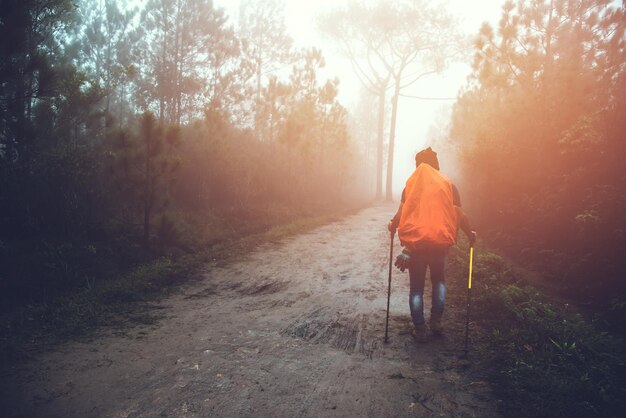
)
(544, 358)
(129, 298)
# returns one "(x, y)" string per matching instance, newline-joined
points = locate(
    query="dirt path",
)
(293, 330)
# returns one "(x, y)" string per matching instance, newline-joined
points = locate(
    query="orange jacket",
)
(429, 218)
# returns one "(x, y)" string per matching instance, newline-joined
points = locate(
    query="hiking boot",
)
(419, 333)
(435, 324)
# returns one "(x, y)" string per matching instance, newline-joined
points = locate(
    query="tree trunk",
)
(122, 94)
(107, 84)
(392, 135)
(161, 80)
(180, 29)
(146, 224)
(272, 113)
(257, 115)
(379, 144)
(148, 190)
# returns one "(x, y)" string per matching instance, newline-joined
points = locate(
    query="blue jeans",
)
(420, 260)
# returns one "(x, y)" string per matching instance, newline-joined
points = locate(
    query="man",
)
(427, 222)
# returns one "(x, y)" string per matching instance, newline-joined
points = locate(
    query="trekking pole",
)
(469, 300)
(389, 286)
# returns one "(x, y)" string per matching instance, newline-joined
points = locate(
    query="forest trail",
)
(293, 329)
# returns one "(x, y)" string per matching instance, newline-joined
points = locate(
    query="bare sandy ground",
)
(294, 329)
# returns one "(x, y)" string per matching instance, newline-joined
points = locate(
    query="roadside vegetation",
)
(539, 138)
(132, 297)
(543, 355)
(539, 132)
(138, 141)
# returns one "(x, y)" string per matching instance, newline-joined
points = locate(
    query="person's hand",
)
(472, 238)
(390, 227)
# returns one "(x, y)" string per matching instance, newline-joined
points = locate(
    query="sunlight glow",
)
(415, 117)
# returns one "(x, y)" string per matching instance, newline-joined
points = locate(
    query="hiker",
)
(427, 222)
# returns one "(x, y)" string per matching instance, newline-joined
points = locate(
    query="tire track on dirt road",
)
(292, 329)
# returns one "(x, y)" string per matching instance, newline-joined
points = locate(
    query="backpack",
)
(428, 219)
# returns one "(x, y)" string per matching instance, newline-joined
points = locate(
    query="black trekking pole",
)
(389, 286)
(469, 300)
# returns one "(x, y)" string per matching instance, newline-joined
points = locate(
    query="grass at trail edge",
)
(130, 299)
(542, 357)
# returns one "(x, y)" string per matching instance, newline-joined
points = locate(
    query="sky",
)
(415, 117)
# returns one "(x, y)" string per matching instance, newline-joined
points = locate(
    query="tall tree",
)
(538, 119)
(262, 27)
(106, 39)
(226, 71)
(394, 44)
(30, 36)
(410, 52)
(144, 167)
(316, 125)
(177, 34)
(350, 27)
(363, 127)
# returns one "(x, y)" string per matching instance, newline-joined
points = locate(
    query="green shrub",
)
(542, 352)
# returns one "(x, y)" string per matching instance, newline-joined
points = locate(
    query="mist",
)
(239, 164)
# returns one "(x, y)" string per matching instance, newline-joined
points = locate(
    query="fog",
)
(420, 121)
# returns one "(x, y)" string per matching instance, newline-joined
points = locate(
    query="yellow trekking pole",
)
(469, 299)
